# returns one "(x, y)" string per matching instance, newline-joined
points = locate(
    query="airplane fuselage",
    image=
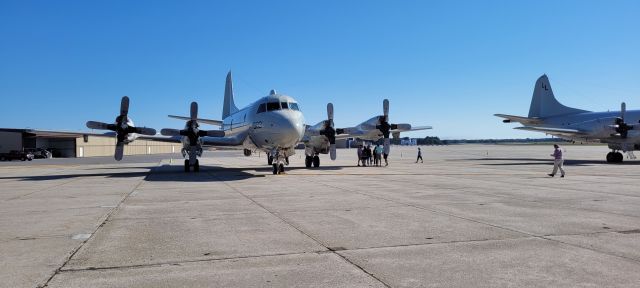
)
(272, 123)
(598, 125)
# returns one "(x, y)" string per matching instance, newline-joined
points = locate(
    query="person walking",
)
(419, 156)
(360, 155)
(558, 161)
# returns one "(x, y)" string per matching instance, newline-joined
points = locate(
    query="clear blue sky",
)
(449, 64)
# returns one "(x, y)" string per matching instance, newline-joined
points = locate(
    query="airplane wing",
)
(355, 132)
(417, 128)
(520, 119)
(53, 133)
(206, 141)
(555, 131)
(206, 121)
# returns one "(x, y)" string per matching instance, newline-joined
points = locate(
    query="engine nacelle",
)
(317, 145)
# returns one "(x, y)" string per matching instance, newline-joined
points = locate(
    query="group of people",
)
(372, 157)
(369, 157)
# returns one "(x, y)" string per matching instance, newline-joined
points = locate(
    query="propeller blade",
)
(385, 108)
(124, 106)
(170, 132)
(402, 127)
(623, 110)
(119, 151)
(332, 151)
(387, 146)
(194, 111)
(145, 131)
(98, 125)
(330, 111)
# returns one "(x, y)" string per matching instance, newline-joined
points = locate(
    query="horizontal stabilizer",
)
(205, 121)
(520, 119)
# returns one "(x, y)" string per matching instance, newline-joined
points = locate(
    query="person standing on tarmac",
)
(379, 150)
(558, 161)
(419, 156)
(360, 155)
(369, 155)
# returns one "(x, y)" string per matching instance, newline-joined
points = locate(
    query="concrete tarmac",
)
(469, 216)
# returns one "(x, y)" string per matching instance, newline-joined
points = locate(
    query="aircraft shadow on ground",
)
(174, 173)
(534, 161)
(76, 175)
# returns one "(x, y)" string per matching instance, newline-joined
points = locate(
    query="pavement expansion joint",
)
(309, 236)
(84, 241)
(176, 263)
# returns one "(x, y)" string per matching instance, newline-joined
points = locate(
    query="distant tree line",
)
(434, 140)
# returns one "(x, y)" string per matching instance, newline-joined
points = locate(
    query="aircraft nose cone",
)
(288, 131)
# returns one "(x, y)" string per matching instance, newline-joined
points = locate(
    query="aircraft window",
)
(294, 106)
(284, 105)
(262, 108)
(273, 106)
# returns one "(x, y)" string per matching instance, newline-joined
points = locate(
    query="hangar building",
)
(74, 144)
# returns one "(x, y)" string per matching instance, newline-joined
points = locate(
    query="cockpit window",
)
(284, 105)
(294, 106)
(262, 108)
(271, 106)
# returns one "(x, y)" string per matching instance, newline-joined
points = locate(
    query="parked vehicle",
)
(16, 155)
(39, 153)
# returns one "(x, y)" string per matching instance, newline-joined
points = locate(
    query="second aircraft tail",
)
(544, 103)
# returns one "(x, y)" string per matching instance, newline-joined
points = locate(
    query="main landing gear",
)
(187, 167)
(312, 160)
(614, 157)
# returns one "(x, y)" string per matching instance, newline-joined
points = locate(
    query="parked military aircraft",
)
(273, 124)
(619, 129)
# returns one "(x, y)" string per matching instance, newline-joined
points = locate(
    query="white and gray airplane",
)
(273, 124)
(619, 129)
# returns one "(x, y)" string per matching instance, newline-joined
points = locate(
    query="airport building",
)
(77, 145)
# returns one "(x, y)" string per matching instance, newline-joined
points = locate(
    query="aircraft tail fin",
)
(544, 103)
(229, 106)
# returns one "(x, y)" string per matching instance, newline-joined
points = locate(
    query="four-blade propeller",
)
(385, 127)
(192, 128)
(330, 132)
(621, 126)
(123, 127)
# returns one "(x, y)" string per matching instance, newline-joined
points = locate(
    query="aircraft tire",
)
(270, 160)
(280, 168)
(196, 167)
(609, 157)
(619, 157)
(186, 165)
(275, 169)
(316, 161)
(307, 161)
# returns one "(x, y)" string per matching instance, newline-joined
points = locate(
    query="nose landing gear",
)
(278, 161)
